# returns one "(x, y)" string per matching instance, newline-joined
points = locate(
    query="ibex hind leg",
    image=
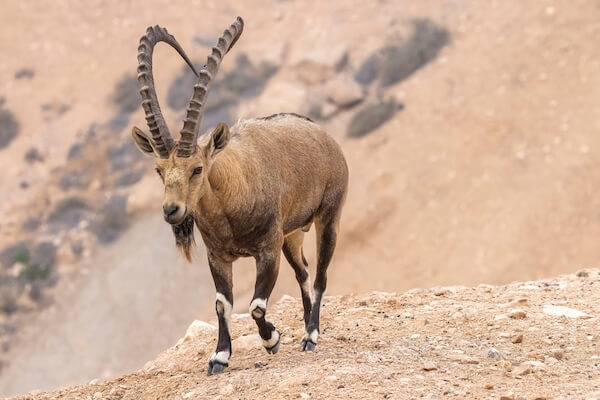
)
(326, 226)
(292, 250)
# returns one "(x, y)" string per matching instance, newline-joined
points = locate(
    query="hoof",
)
(307, 345)
(274, 349)
(215, 367)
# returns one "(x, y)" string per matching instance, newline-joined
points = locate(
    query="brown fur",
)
(272, 177)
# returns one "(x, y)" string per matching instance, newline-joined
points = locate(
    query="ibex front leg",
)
(222, 275)
(267, 267)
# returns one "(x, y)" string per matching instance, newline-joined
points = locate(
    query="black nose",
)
(170, 209)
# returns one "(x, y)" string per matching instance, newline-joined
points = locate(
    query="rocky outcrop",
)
(536, 339)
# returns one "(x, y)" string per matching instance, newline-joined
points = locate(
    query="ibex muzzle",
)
(252, 190)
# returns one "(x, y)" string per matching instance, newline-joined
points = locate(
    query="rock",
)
(582, 274)
(415, 336)
(97, 395)
(561, 311)
(557, 353)
(517, 338)
(304, 395)
(522, 370)
(464, 359)
(495, 354)
(199, 329)
(331, 378)
(508, 396)
(489, 386)
(517, 313)
(430, 366)
(95, 381)
(344, 91)
(247, 343)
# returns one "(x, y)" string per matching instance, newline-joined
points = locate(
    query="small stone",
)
(508, 396)
(286, 340)
(582, 274)
(547, 341)
(561, 311)
(494, 354)
(415, 336)
(97, 395)
(507, 365)
(188, 395)
(464, 359)
(534, 355)
(440, 291)
(518, 338)
(522, 370)
(331, 378)
(304, 395)
(430, 366)
(95, 381)
(517, 313)
(489, 386)
(557, 353)
(260, 364)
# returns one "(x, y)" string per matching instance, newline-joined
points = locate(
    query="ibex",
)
(252, 190)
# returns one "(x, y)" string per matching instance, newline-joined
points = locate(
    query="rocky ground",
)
(524, 340)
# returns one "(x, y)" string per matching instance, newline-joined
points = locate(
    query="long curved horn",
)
(163, 142)
(191, 123)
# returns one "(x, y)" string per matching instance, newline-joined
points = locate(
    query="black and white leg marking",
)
(268, 333)
(267, 268)
(223, 305)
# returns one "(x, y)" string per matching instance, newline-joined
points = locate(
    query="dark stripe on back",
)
(285, 114)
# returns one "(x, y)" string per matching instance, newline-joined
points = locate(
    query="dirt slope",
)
(458, 342)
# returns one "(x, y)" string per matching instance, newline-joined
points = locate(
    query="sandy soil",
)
(486, 342)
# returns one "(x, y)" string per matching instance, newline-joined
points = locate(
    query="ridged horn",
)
(191, 124)
(163, 142)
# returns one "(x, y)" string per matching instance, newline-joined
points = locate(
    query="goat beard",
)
(184, 236)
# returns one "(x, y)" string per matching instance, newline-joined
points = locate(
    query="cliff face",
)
(536, 339)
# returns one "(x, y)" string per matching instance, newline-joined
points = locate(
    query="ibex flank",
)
(252, 190)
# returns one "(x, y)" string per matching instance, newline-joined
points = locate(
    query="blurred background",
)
(471, 130)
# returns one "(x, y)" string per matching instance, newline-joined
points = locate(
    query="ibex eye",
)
(197, 170)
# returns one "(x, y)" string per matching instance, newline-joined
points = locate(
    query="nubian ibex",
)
(252, 190)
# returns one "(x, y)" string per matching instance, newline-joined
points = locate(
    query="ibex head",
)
(184, 165)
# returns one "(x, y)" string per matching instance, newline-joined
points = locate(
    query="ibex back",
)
(252, 190)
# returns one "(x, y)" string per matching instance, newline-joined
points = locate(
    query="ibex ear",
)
(142, 141)
(218, 140)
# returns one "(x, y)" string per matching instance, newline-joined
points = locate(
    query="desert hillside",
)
(525, 340)
(470, 129)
